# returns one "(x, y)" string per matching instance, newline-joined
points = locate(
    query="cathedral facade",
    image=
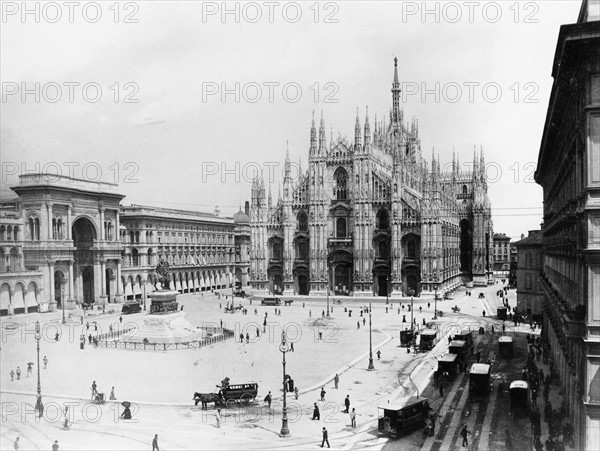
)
(372, 217)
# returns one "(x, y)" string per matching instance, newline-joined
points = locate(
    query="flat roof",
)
(480, 368)
(457, 343)
(519, 384)
(429, 332)
(505, 339)
(402, 404)
(448, 358)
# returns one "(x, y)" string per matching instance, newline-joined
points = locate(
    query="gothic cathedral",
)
(372, 217)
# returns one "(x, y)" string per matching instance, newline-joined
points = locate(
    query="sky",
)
(180, 102)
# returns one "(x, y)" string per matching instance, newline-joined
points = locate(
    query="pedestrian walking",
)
(247, 337)
(478, 355)
(296, 392)
(316, 413)
(291, 346)
(325, 438)
(55, 446)
(358, 324)
(66, 422)
(484, 313)
(218, 417)
(364, 321)
(464, 432)
(353, 418)
(12, 375)
(29, 368)
(378, 355)
(336, 380)
(347, 404)
(257, 333)
(90, 339)
(112, 396)
(87, 326)
(503, 327)
(323, 393)
(18, 373)
(269, 399)
(16, 444)
(45, 360)
(310, 313)
(155, 443)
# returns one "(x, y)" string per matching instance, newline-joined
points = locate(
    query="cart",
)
(479, 380)
(505, 347)
(406, 337)
(459, 347)
(501, 313)
(398, 419)
(239, 393)
(427, 340)
(448, 363)
(519, 398)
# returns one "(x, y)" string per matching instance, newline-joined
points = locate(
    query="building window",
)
(341, 185)
(411, 250)
(302, 222)
(528, 281)
(341, 228)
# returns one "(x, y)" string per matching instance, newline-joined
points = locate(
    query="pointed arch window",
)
(302, 222)
(341, 184)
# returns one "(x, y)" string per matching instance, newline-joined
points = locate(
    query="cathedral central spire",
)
(396, 95)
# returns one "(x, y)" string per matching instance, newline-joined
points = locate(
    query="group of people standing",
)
(18, 373)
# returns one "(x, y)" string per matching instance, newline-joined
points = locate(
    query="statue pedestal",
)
(164, 323)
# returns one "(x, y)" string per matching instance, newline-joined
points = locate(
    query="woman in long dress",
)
(112, 394)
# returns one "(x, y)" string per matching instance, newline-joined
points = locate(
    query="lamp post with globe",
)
(284, 347)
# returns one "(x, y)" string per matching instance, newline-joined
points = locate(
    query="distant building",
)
(501, 254)
(529, 267)
(65, 242)
(373, 217)
(568, 170)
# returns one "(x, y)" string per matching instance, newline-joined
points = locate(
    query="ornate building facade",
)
(568, 170)
(65, 242)
(372, 217)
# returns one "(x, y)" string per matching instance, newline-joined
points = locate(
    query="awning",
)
(178, 286)
(128, 289)
(201, 282)
(18, 301)
(136, 289)
(190, 260)
(184, 285)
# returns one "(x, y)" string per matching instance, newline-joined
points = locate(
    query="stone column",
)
(51, 302)
(103, 295)
(71, 302)
(119, 295)
(11, 309)
(97, 280)
(69, 231)
(49, 225)
(102, 231)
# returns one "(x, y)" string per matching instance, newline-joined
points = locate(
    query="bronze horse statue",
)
(205, 398)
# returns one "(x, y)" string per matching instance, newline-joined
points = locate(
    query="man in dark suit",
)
(325, 438)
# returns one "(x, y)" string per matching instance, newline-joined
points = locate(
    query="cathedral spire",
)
(367, 129)
(357, 137)
(322, 139)
(313, 136)
(270, 204)
(287, 169)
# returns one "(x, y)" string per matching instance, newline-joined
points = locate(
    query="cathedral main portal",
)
(340, 267)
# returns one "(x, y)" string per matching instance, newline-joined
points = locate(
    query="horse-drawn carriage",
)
(228, 394)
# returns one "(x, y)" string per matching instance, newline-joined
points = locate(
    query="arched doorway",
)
(59, 285)
(382, 282)
(88, 285)
(108, 277)
(84, 235)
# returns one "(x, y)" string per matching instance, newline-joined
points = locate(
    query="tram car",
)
(398, 419)
(479, 380)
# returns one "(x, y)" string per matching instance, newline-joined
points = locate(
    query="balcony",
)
(573, 328)
(340, 244)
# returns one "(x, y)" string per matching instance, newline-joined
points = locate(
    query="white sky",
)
(171, 55)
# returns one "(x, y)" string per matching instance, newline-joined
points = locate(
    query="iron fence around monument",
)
(145, 346)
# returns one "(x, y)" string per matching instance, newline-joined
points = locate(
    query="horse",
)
(205, 398)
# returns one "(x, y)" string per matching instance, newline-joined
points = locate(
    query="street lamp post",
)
(328, 284)
(144, 297)
(39, 406)
(387, 289)
(435, 287)
(412, 293)
(371, 366)
(285, 431)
